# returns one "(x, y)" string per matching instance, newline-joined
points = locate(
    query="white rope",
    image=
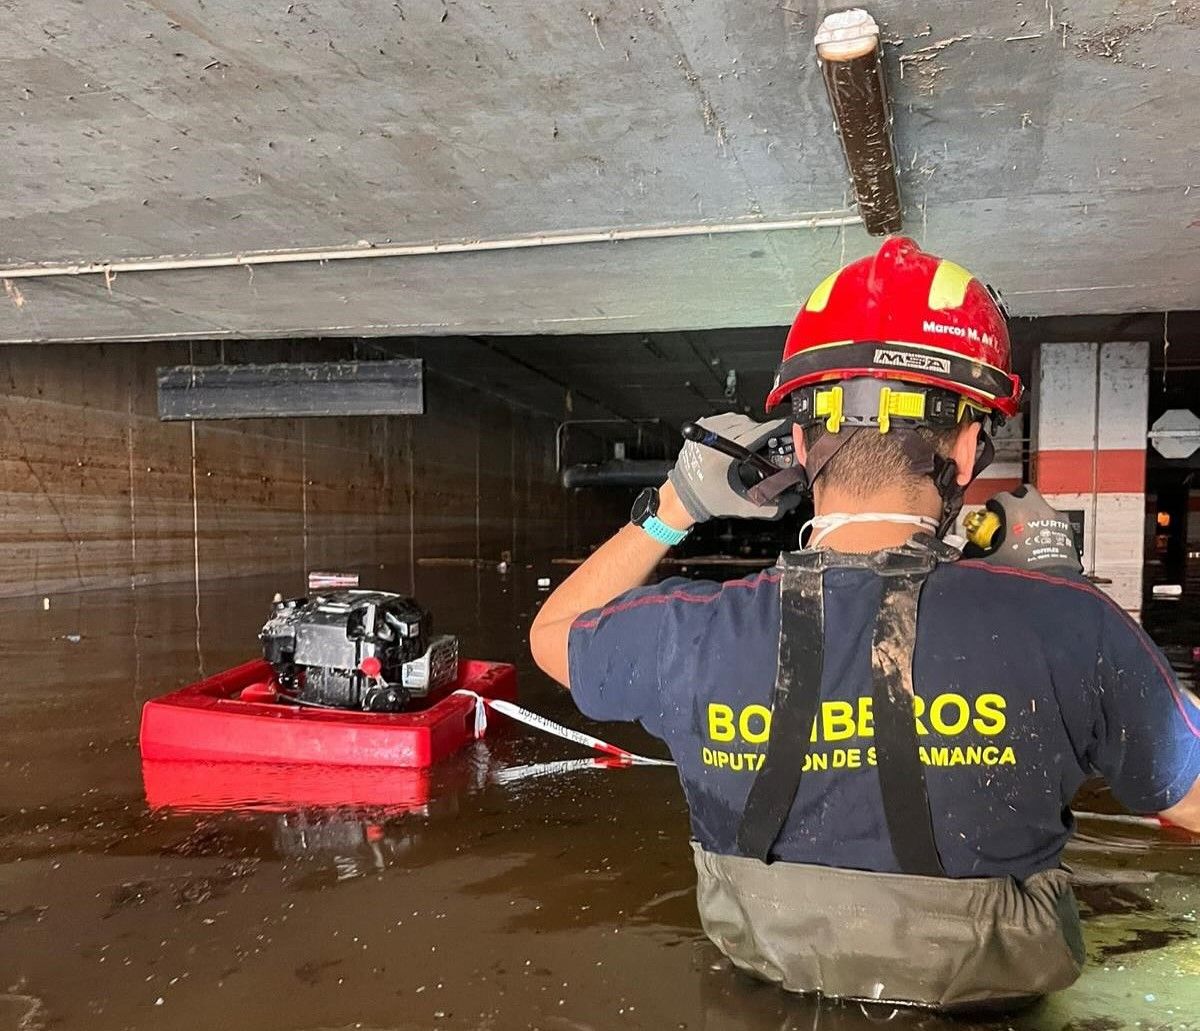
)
(532, 719)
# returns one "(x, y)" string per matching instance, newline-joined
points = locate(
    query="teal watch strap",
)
(663, 533)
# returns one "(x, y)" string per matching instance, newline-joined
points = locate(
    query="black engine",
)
(366, 650)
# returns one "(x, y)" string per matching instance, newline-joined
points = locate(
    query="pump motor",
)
(369, 651)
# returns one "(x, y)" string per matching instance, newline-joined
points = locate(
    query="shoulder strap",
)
(897, 751)
(793, 708)
(797, 695)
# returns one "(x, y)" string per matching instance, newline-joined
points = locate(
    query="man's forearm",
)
(624, 561)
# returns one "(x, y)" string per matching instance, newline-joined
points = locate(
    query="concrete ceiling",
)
(1049, 147)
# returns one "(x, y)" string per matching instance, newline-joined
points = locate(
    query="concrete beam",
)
(153, 131)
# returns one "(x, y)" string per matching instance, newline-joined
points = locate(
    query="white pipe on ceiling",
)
(811, 220)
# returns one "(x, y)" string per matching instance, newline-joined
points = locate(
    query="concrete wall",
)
(96, 492)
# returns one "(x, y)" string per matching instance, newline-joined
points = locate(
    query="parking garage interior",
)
(579, 229)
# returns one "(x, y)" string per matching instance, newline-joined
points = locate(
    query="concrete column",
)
(1089, 453)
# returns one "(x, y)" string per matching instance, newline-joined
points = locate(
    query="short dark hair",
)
(870, 460)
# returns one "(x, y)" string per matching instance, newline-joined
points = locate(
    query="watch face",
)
(644, 506)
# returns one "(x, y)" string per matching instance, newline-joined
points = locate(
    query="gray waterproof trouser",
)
(927, 941)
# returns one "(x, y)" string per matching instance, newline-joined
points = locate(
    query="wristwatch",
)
(645, 515)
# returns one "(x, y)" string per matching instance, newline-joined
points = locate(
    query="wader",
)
(917, 937)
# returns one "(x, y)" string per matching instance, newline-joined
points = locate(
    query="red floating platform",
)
(210, 721)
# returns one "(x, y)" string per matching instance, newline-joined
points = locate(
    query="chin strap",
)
(866, 404)
(944, 472)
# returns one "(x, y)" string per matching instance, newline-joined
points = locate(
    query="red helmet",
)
(904, 315)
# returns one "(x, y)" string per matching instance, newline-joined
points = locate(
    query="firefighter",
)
(879, 739)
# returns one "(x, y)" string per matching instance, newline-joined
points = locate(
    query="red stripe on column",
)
(1070, 472)
(978, 491)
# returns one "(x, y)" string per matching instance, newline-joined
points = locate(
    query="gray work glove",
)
(707, 481)
(1032, 535)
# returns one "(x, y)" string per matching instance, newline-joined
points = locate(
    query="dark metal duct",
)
(291, 390)
(848, 46)
(617, 472)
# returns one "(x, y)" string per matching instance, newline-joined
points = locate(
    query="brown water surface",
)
(560, 901)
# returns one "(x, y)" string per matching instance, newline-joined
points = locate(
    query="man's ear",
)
(799, 445)
(966, 446)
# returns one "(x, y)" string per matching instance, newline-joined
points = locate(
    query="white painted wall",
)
(1089, 397)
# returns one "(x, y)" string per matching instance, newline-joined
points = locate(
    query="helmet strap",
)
(922, 457)
(944, 472)
(823, 449)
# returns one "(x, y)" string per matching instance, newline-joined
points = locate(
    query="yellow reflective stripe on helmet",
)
(829, 403)
(949, 286)
(904, 404)
(820, 296)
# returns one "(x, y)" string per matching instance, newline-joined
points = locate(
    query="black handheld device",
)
(756, 461)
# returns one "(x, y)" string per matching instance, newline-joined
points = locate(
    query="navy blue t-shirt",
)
(1025, 684)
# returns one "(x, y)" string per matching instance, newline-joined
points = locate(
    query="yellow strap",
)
(903, 404)
(829, 403)
(900, 404)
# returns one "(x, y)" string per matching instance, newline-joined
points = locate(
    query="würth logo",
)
(910, 360)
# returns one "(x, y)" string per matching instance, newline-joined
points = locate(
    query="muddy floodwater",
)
(496, 893)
